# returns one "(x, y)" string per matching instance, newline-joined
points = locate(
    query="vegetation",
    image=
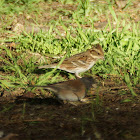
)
(120, 41)
(66, 28)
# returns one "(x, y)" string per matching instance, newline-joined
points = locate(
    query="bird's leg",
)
(77, 75)
(85, 100)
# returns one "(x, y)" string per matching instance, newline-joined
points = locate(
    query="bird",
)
(80, 62)
(71, 90)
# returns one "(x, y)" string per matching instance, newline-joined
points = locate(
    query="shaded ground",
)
(111, 114)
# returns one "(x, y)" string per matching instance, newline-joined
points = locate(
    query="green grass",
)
(18, 6)
(120, 44)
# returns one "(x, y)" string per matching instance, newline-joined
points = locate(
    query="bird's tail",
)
(47, 66)
(45, 87)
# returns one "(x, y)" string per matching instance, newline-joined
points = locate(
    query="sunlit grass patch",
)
(120, 42)
(18, 6)
(121, 50)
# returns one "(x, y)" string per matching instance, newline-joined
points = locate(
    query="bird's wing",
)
(76, 61)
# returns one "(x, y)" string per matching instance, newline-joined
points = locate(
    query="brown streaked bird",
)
(72, 90)
(80, 62)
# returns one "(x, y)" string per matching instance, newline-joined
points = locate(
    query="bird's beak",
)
(103, 58)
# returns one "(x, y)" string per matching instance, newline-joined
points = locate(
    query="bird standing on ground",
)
(72, 90)
(80, 62)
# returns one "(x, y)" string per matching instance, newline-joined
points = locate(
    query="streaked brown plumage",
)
(80, 62)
